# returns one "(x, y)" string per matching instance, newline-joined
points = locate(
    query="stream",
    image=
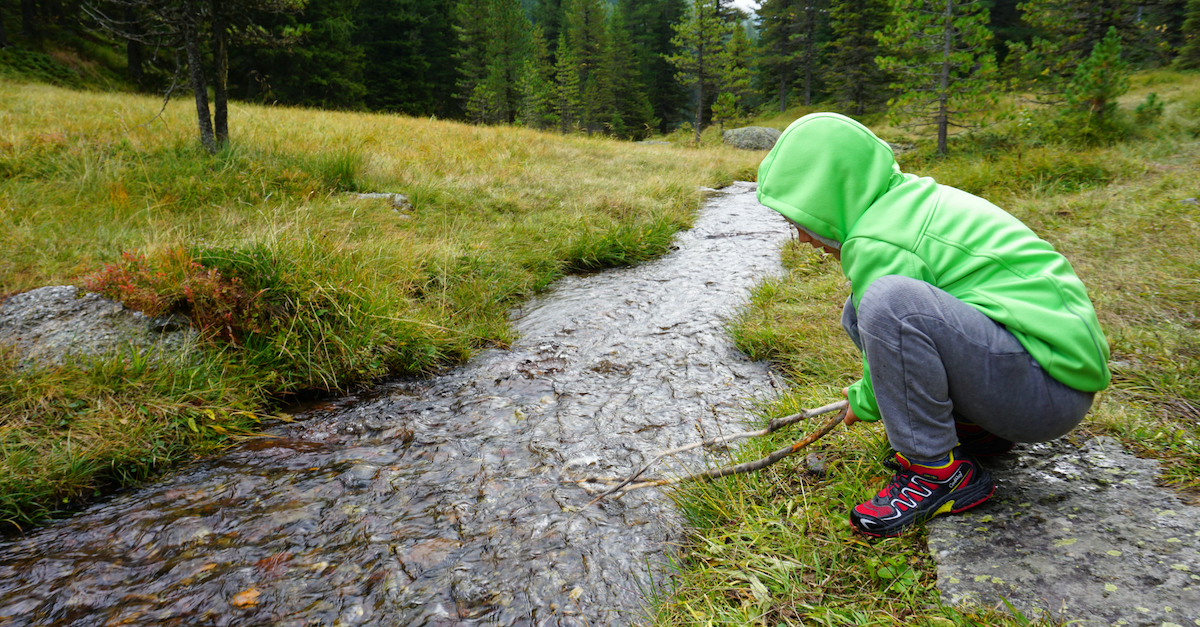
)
(439, 501)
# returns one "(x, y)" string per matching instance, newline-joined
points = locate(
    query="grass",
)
(775, 548)
(294, 283)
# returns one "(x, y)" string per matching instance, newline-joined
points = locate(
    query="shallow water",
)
(439, 502)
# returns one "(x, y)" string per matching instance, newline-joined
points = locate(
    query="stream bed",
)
(440, 501)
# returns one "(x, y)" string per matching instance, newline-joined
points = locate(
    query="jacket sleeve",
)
(863, 261)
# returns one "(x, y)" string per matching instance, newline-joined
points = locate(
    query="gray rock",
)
(1081, 533)
(653, 142)
(751, 137)
(48, 324)
(399, 201)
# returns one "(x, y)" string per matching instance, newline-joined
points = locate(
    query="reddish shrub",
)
(219, 307)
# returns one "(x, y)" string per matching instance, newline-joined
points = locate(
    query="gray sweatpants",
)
(934, 358)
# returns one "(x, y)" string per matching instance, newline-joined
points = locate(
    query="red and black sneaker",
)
(978, 442)
(917, 493)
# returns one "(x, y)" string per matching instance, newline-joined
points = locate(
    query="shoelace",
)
(899, 480)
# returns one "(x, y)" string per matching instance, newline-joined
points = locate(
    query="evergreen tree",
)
(568, 97)
(536, 87)
(699, 39)
(409, 58)
(1189, 54)
(1068, 31)
(853, 77)
(197, 30)
(793, 39)
(735, 73)
(494, 36)
(939, 52)
(1099, 81)
(633, 115)
(587, 34)
(4, 43)
(548, 14)
(649, 27)
(322, 68)
(471, 25)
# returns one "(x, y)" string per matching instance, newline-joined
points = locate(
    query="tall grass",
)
(776, 548)
(295, 283)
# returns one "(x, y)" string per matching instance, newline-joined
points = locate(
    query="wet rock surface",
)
(1080, 531)
(751, 137)
(49, 324)
(440, 501)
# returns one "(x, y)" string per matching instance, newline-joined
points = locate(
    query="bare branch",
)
(628, 484)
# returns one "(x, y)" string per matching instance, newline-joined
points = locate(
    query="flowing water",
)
(440, 501)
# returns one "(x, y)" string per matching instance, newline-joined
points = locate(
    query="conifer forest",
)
(631, 68)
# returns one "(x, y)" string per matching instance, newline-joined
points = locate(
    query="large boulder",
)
(751, 137)
(1079, 532)
(50, 324)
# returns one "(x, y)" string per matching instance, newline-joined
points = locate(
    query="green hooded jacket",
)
(833, 176)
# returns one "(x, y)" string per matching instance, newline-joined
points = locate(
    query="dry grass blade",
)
(627, 484)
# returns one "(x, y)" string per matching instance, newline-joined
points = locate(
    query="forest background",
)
(626, 68)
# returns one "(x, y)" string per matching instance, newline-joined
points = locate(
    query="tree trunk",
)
(221, 79)
(199, 85)
(943, 122)
(700, 100)
(29, 19)
(783, 91)
(52, 10)
(133, 48)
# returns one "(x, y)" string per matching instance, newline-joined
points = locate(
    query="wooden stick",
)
(627, 484)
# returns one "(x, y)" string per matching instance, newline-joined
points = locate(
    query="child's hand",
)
(850, 418)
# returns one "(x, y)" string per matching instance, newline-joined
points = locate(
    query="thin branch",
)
(627, 484)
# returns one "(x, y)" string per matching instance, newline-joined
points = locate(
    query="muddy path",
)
(438, 502)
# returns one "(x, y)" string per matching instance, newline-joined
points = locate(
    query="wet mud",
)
(440, 501)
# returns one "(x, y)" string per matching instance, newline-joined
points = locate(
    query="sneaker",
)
(978, 442)
(917, 493)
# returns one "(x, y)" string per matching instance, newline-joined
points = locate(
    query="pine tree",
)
(634, 116)
(700, 39)
(471, 22)
(736, 72)
(853, 77)
(568, 96)
(587, 34)
(536, 88)
(1098, 82)
(1068, 30)
(324, 69)
(649, 25)
(1189, 54)
(939, 52)
(548, 14)
(793, 39)
(494, 36)
(410, 62)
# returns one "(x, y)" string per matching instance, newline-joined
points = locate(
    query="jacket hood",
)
(825, 171)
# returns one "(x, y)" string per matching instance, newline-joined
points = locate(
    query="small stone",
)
(816, 464)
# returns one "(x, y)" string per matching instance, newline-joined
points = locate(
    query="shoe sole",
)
(941, 509)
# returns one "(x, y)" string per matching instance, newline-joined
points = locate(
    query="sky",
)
(745, 5)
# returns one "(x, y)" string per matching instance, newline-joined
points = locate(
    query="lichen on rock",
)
(1077, 531)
